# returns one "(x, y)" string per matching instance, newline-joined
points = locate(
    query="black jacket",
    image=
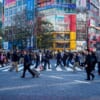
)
(27, 60)
(15, 57)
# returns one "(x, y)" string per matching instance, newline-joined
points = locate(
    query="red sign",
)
(9, 3)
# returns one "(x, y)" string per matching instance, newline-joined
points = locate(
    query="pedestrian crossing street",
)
(52, 68)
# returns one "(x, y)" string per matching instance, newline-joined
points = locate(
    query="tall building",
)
(70, 18)
(62, 14)
(87, 14)
(93, 18)
(14, 7)
(81, 30)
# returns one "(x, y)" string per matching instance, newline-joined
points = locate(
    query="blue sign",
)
(88, 6)
(57, 6)
(7, 45)
(30, 5)
(30, 9)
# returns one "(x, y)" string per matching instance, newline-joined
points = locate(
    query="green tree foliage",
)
(22, 28)
(19, 30)
(44, 34)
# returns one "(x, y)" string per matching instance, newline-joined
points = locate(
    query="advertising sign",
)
(30, 9)
(56, 6)
(30, 4)
(50, 18)
(9, 3)
(62, 23)
(6, 45)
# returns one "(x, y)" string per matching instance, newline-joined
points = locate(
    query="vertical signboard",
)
(30, 9)
(73, 23)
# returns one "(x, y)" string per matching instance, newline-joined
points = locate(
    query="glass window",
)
(19, 9)
(62, 45)
(19, 3)
(24, 1)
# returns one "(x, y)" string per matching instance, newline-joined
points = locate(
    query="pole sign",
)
(6, 45)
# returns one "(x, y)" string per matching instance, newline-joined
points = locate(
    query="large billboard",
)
(9, 3)
(62, 23)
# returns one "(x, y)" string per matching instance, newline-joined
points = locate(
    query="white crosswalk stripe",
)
(20, 68)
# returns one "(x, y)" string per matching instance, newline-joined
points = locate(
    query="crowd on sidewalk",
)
(86, 59)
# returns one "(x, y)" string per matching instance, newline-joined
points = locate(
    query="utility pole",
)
(87, 21)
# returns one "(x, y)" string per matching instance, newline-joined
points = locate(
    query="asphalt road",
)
(52, 85)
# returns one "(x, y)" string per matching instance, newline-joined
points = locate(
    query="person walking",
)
(64, 58)
(47, 60)
(2, 59)
(59, 59)
(15, 60)
(94, 60)
(38, 58)
(88, 65)
(27, 63)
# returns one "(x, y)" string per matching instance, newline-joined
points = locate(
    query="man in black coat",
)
(88, 65)
(15, 60)
(59, 59)
(47, 60)
(27, 63)
(64, 58)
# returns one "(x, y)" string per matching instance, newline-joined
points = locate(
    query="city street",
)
(57, 41)
(51, 85)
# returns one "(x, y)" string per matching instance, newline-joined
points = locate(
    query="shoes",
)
(22, 77)
(87, 79)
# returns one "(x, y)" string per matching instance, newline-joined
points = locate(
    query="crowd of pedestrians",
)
(85, 60)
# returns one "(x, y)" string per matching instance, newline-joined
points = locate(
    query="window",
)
(19, 3)
(62, 45)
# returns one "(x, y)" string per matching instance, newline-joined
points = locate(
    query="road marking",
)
(78, 81)
(58, 68)
(57, 77)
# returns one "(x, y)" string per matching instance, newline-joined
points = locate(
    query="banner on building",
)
(9, 3)
(62, 23)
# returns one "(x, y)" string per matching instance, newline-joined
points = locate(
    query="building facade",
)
(62, 14)
(87, 14)
(81, 30)
(13, 8)
(70, 18)
(93, 18)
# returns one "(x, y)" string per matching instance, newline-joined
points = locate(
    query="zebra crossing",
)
(52, 68)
